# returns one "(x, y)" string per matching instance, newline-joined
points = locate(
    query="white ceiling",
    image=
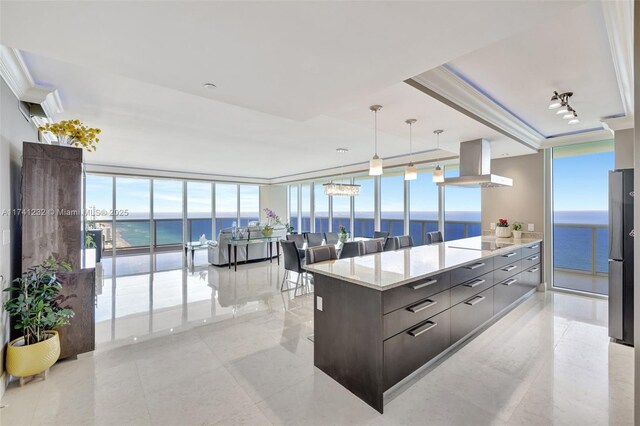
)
(294, 79)
(569, 52)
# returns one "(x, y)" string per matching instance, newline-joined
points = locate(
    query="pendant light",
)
(341, 189)
(438, 174)
(375, 165)
(410, 172)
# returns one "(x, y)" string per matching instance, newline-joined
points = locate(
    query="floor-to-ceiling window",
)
(341, 210)
(580, 216)
(199, 212)
(134, 196)
(305, 209)
(294, 214)
(392, 202)
(99, 204)
(321, 208)
(423, 206)
(226, 205)
(462, 209)
(249, 204)
(364, 205)
(167, 211)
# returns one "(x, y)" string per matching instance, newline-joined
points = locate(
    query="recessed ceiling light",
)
(209, 86)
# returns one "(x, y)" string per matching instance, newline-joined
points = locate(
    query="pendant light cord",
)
(410, 142)
(375, 130)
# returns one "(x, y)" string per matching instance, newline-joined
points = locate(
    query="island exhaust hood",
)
(475, 167)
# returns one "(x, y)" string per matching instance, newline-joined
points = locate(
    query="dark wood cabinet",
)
(471, 314)
(404, 295)
(507, 271)
(472, 287)
(507, 258)
(470, 271)
(408, 316)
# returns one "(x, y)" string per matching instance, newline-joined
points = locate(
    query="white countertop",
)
(382, 271)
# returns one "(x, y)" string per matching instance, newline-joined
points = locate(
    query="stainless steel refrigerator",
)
(621, 255)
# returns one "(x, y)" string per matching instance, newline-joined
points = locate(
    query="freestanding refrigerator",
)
(621, 255)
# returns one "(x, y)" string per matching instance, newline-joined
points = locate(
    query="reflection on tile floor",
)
(547, 362)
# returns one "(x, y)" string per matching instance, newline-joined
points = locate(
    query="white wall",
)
(524, 201)
(623, 145)
(14, 129)
(273, 197)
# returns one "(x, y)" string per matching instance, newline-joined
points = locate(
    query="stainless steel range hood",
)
(475, 167)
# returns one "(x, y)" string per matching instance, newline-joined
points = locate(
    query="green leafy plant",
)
(89, 242)
(36, 302)
(289, 228)
(517, 226)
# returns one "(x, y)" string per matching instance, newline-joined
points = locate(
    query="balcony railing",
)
(581, 248)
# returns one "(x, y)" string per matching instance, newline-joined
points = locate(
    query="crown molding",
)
(618, 123)
(618, 19)
(445, 86)
(595, 135)
(17, 76)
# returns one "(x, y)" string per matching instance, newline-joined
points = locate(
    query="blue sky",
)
(581, 182)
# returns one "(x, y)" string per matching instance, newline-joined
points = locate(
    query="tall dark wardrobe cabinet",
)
(51, 193)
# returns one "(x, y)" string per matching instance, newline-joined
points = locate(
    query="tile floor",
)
(547, 362)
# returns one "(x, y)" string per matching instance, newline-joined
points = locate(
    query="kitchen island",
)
(380, 318)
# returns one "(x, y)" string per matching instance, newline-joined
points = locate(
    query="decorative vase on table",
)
(342, 234)
(267, 231)
(517, 235)
(502, 229)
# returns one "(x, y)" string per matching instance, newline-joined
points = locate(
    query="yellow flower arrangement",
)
(73, 132)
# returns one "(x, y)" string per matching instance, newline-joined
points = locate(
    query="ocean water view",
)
(575, 232)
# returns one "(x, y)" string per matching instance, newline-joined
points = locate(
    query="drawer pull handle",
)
(475, 266)
(533, 247)
(475, 300)
(511, 281)
(533, 258)
(509, 254)
(423, 328)
(509, 268)
(534, 270)
(476, 283)
(422, 306)
(422, 285)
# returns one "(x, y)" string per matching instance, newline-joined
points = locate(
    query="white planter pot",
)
(517, 235)
(503, 232)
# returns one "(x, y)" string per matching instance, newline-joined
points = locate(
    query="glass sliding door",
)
(580, 216)
(392, 203)
(423, 206)
(364, 205)
(167, 211)
(462, 209)
(226, 205)
(199, 220)
(321, 208)
(249, 204)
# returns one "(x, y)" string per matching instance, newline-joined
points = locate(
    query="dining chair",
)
(293, 262)
(314, 239)
(370, 246)
(331, 237)
(321, 254)
(390, 244)
(433, 237)
(380, 234)
(299, 240)
(350, 249)
(404, 241)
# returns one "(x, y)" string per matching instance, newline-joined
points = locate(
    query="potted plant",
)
(502, 229)
(73, 133)
(35, 303)
(517, 230)
(342, 234)
(272, 219)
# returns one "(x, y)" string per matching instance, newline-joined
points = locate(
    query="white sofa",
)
(219, 250)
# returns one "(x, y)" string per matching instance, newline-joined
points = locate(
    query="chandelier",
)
(333, 189)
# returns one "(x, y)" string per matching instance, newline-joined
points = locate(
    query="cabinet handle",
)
(533, 258)
(475, 300)
(534, 270)
(476, 283)
(475, 266)
(511, 281)
(509, 268)
(509, 254)
(422, 285)
(422, 306)
(533, 247)
(423, 328)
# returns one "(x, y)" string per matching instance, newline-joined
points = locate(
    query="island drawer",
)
(409, 294)
(531, 249)
(401, 319)
(507, 271)
(470, 314)
(508, 291)
(530, 260)
(507, 258)
(470, 271)
(408, 351)
(532, 276)
(471, 288)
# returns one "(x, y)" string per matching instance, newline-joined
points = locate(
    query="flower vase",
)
(342, 237)
(503, 232)
(267, 232)
(517, 235)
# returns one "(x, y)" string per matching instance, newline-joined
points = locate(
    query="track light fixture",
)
(560, 102)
